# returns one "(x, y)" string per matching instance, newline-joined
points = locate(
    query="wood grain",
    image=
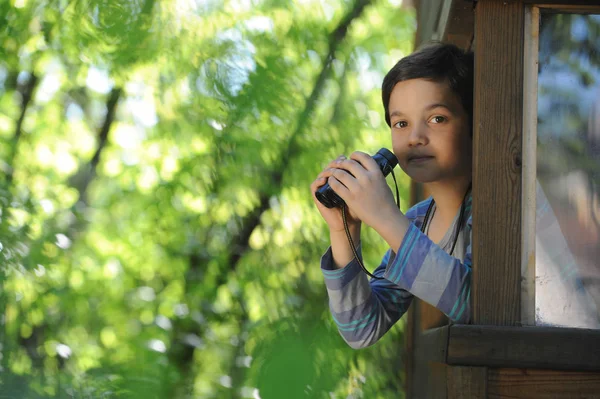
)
(460, 24)
(497, 149)
(541, 384)
(566, 4)
(525, 347)
(467, 382)
(426, 356)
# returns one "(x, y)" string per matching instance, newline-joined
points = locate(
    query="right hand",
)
(332, 216)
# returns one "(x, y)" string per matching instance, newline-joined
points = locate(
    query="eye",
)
(438, 119)
(400, 124)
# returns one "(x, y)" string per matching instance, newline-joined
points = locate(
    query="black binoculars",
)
(386, 161)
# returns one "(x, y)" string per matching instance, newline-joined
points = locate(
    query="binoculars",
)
(386, 161)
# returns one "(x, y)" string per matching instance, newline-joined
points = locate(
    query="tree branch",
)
(26, 92)
(240, 245)
(87, 173)
(31, 343)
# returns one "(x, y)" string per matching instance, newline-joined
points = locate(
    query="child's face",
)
(430, 131)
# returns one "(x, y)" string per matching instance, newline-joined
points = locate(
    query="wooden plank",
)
(437, 387)
(578, 9)
(467, 382)
(460, 24)
(555, 3)
(451, 21)
(432, 383)
(410, 348)
(528, 347)
(426, 372)
(434, 344)
(424, 377)
(530, 61)
(497, 149)
(541, 384)
(431, 317)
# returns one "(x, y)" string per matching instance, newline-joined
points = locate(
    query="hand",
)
(332, 216)
(360, 183)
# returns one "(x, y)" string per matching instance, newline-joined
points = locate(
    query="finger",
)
(365, 160)
(326, 173)
(338, 187)
(352, 166)
(319, 182)
(345, 178)
(333, 163)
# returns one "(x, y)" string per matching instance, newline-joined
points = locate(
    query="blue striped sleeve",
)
(363, 310)
(431, 274)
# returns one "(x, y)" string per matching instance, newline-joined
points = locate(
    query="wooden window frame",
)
(533, 13)
(502, 348)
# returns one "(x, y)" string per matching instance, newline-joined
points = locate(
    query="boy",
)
(427, 99)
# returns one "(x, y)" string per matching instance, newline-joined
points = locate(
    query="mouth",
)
(419, 158)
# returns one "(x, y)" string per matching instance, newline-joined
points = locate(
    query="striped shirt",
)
(365, 309)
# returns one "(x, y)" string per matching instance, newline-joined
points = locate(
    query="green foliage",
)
(157, 235)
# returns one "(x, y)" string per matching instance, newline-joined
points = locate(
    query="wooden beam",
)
(460, 24)
(497, 148)
(525, 347)
(577, 9)
(501, 346)
(542, 384)
(554, 3)
(467, 382)
(451, 21)
(410, 349)
(426, 370)
(434, 345)
(529, 208)
(437, 382)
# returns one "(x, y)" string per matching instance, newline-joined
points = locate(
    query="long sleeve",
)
(363, 310)
(431, 274)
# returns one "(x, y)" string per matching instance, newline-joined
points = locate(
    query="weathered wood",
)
(410, 349)
(541, 384)
(497, 147)
(437, 382)
(528, 347)
(571, 8)
(450, 21)
(426, 370)
(434, 345)
(467, 382)
(529, 208)
(431, 317)
(460, 24)
(554, 3)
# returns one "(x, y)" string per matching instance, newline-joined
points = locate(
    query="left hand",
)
(360, 183)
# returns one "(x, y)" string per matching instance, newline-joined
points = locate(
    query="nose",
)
(418, 135)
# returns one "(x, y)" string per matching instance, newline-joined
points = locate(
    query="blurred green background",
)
(157, 233)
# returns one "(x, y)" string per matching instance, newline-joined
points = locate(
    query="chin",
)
(422, 176)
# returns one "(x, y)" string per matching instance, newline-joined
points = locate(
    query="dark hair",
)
(438, 62)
